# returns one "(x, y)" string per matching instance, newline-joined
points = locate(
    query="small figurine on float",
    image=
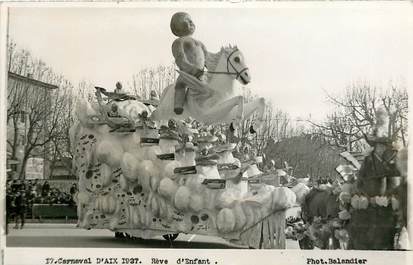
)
(206, 140)
(113, 111)
(186, 130)
(249, 175)
(228, 166)
(185, 155)
(117, 95)
(245, 155)
(270, 176)
(152, 102)
(168, 141)
(206, 166)
(111, 117)
(118, 89)
(251, 170)
(189, 55)
(147, 127)
(207, 159)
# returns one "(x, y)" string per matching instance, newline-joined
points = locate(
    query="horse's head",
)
(236, 65)
(230, 61)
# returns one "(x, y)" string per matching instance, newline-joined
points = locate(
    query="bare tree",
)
(60, 147)
(18, 62)
(43, 114)
(152, 78)
(355, 114)
(85, 90)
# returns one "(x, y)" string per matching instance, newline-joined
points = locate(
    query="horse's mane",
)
(212, 59)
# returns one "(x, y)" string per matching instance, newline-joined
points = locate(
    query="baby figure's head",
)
(182, 25)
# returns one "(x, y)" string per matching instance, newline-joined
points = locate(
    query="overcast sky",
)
(294, 54)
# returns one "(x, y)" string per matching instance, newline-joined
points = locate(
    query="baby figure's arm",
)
(181, 60)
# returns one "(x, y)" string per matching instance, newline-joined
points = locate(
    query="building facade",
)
(27, 100)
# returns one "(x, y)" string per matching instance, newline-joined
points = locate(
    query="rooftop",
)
(31, 81)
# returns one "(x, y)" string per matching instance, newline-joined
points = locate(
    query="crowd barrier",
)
(54, 211)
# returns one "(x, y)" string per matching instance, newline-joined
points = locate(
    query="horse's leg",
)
(256, 105)
(250, 108)
(241, 115)
(224, 111)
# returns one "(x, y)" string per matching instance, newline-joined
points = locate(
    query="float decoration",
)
(172, 185)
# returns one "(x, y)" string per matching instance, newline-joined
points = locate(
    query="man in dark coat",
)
(45, 188)
(73, 192)
(20, 203)
(9, 207)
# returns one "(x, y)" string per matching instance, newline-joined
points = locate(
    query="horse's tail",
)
(165, 108)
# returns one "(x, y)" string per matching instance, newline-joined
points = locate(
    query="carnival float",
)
(145, 171)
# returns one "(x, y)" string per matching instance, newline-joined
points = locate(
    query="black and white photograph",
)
(179, 127)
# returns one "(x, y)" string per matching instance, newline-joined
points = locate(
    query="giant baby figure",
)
(189, 55)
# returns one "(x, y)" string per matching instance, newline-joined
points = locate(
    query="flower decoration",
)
(355, 201)
(382, 201)
(345, 197)
(359, 202)
(364, 202)
(344, 215)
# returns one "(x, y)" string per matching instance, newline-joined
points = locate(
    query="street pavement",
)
(68, 235)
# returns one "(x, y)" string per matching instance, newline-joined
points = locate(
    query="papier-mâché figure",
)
(118, 89)
(189, 55)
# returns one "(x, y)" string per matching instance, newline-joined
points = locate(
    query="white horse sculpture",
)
(217, 100)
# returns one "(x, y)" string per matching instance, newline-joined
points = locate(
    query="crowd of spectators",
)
(42, 193)
(21, 195)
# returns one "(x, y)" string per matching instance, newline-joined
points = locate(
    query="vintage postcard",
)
(229, 132)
